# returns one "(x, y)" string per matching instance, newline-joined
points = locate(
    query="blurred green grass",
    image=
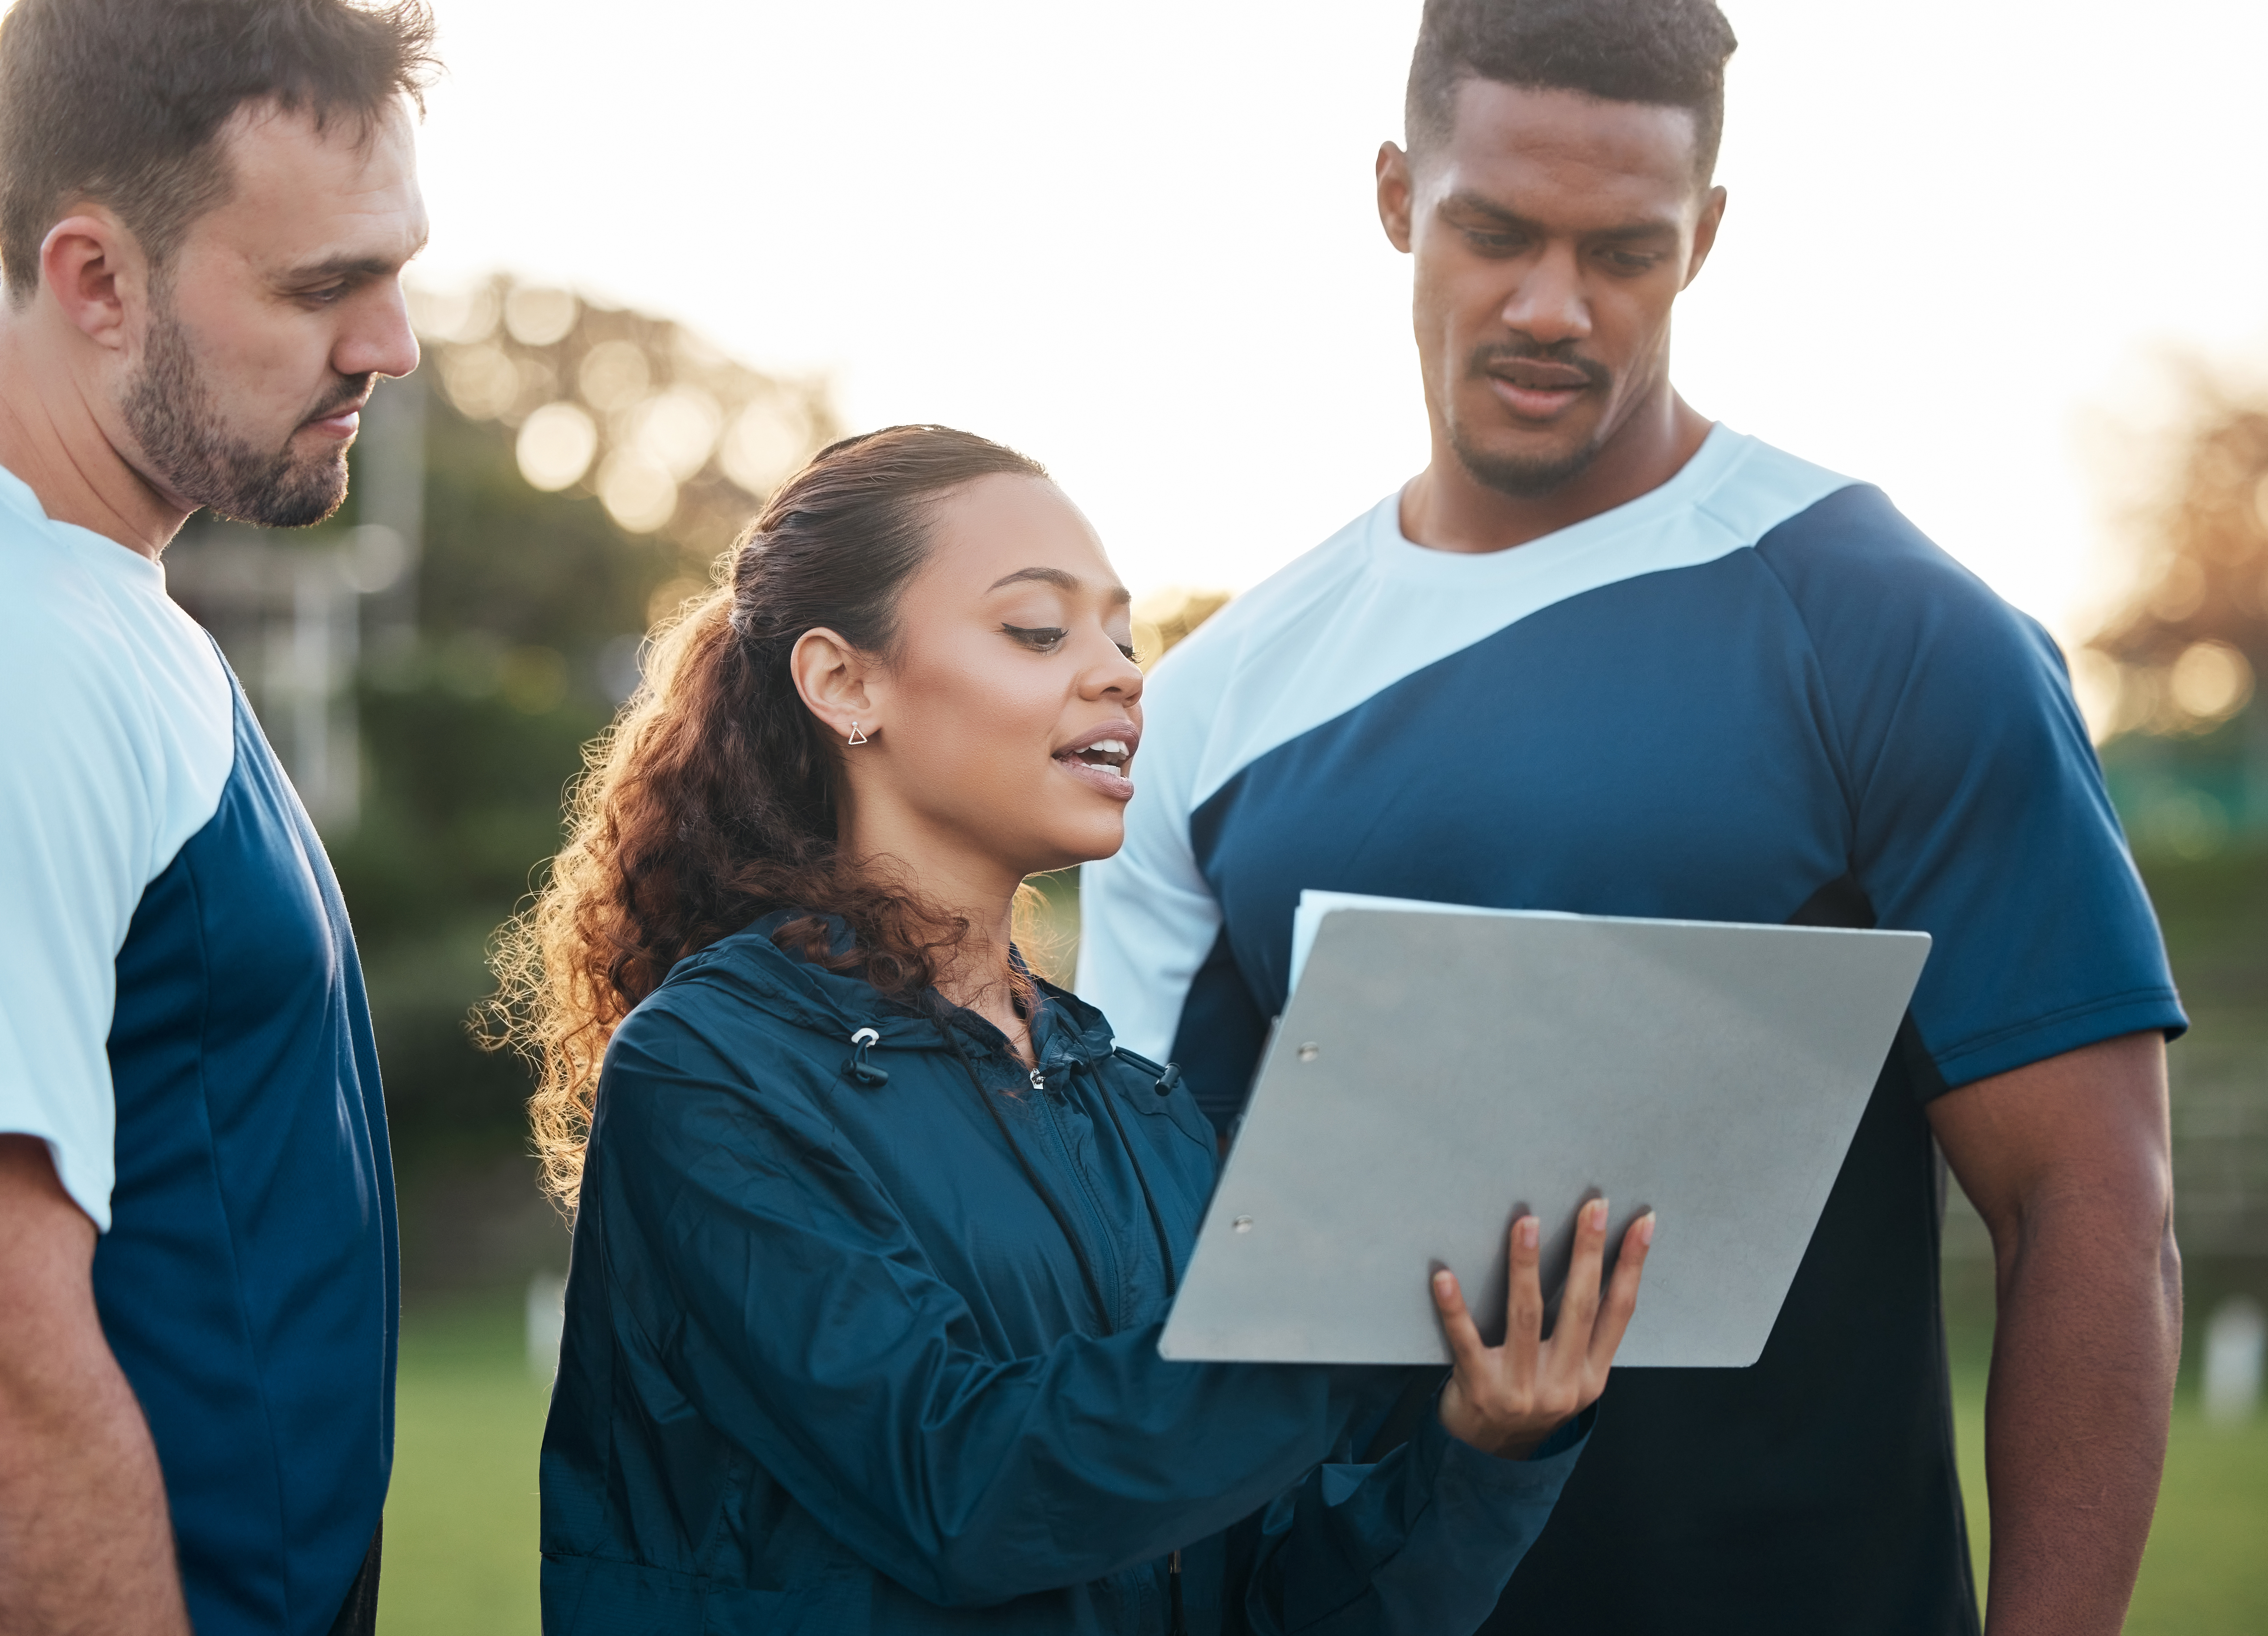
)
(2204, 1572)
(461, 1525)
(461, 1522)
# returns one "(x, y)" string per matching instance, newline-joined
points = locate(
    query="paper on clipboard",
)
(1438, 1067)
(1308, 919)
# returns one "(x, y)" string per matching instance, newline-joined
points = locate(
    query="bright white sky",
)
(1139, 241)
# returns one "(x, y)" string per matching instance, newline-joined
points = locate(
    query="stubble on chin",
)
(1519, 478)
(177, 419)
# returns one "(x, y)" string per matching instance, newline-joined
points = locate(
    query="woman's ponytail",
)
(710, 801)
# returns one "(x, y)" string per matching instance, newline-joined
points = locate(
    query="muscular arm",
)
(2067, 1161)
(85, 1545)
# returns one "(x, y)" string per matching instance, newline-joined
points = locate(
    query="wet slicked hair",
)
(122, 102)
(1666, 53)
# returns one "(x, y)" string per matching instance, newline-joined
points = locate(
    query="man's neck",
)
(1445, 508)
(51, 437)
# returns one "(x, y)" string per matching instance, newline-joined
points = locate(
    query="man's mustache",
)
(350, 391)
(1488, 358)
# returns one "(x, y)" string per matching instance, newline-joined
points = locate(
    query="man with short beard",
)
(205, 206)
(1603, 656)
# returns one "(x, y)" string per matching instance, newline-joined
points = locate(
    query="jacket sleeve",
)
(759, 1262)
(1423, 1540)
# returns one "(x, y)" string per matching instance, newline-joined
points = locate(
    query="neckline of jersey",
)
(1394, 553)
(110, 556)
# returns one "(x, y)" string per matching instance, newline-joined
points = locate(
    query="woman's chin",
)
(1068, 845)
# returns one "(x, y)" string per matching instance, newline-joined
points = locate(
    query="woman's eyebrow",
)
(1067, 583)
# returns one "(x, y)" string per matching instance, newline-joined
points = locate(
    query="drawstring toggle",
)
(866, 1072)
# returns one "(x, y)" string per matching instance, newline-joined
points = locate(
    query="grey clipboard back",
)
(1437, 1068)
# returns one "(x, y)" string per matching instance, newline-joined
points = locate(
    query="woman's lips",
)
(1104, 780)
(1101, 757)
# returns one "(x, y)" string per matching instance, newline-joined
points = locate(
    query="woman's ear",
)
(834, 680)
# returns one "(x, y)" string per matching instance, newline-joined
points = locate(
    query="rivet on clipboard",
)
(1243, 1224)
(1309, 1051)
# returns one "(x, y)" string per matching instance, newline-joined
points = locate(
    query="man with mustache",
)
(1603, 656)
(205, 206)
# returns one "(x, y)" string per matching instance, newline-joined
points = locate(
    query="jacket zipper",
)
(1099, 1233)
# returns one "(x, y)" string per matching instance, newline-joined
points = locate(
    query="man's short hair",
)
(122, 102)
(1669, 53)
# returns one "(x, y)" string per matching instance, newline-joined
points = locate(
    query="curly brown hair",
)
(712, 800)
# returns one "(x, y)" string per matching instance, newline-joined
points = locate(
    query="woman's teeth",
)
(1111, 753)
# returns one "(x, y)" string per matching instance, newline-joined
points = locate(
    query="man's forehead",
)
(1504, 135)
(301, 190)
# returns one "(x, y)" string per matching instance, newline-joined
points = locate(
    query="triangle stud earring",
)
(856, 737)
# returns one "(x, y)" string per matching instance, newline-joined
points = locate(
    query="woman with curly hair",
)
(874, 1230)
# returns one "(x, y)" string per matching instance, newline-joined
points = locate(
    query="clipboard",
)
(1440, 1068)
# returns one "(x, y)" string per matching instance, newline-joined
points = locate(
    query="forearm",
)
(86, 1543)
(2083, 1362)
(86, 1548)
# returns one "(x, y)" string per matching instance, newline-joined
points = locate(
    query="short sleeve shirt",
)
(183, 1022)
(116, 728)
(1755, 693)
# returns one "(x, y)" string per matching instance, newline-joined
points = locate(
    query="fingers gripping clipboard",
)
(1438, 1068)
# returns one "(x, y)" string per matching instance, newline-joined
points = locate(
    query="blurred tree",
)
(1163, 618)
(2195, 635)
(2186, 754)
(475, 662)
(2172, 676)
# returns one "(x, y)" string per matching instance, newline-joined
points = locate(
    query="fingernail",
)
(1441, 1282)
(1598, 1215)
(1645, 1229)
(1527, 1232)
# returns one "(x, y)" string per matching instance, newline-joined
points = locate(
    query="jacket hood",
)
(839, 1003)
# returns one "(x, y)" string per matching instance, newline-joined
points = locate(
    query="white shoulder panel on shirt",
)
(1368, 607)
(117, 731)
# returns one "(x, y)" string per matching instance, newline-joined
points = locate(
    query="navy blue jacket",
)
(831, 1363)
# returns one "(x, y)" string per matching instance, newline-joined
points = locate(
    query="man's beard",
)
(1507, 474)
(176, 417)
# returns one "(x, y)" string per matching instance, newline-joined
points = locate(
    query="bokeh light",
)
(638, 490)
(766, 442)
(2210, 683)
(537, 317)
(678, 429)
(614, 375)
(557, 445)
(671, 434)
(481, 381)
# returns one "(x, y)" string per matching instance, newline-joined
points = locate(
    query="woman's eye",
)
(1127, 648)
(1043, 639)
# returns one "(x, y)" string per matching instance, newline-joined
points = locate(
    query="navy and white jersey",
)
(182, 1021)
(1755, 693)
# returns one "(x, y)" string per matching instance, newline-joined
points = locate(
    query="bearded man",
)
(205, 206)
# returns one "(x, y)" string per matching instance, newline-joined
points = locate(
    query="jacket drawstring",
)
(1167, 1077)
(866, 1072)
